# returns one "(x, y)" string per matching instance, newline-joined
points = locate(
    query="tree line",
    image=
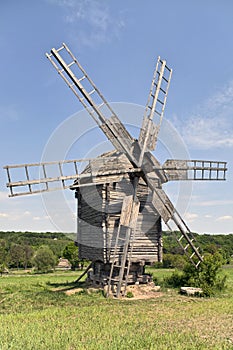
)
(42, 250)
(173, 255)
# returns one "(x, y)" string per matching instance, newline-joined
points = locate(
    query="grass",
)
(35, 314)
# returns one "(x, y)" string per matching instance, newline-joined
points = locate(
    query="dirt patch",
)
(73, 291)
(143, 291)
(133, 292)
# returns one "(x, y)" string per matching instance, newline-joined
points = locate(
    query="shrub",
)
(44, 259)
(70, 252)
(205, 277)
(174, 261)
(129, 295)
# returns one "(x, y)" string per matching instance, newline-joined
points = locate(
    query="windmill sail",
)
(195, 170)
(33, 178)
(91, 99)
(155, 107)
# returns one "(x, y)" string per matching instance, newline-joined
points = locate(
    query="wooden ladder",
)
(125, 237)
(92, 99)
(155, 107)
(184, 236)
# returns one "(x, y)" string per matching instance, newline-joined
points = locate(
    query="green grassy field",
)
(36, 314)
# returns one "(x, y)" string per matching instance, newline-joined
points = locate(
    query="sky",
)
(117, 42)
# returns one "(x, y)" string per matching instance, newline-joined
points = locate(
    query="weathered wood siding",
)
(99, 209)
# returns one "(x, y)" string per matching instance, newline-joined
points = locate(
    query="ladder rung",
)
(121, 239)
(70, 64)
(60, 48)
(91, 92)
(165, 79)
(162, 103)
(163, 91)
(103, 103)
(198, 263)
(181, 237)
(168, 68)
(120, 266)
(82, 78)
(192, 255)
(114, 279)
(158, 113)
(186, 247)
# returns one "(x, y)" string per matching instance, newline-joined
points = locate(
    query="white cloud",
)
(190, 217)
(211, 125)
(36, 218)
(214, 203)
(205, 132)
(92, 20)
(3, 196)
(224, 218)
(4, 215)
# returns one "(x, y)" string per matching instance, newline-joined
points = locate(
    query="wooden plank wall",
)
(99, 210)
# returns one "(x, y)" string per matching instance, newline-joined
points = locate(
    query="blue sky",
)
(117, 42)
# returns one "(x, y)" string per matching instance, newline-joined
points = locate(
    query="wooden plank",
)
(126, 210)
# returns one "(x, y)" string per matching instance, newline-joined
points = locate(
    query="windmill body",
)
(120, 197)
(99, 214)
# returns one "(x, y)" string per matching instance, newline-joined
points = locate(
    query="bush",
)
(129, 295)
(205, 277)
(44, 260)
(176, 261)
(70, 252)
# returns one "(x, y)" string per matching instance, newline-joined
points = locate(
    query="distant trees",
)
(16, 255)
(18, 248)
(210, 244)
(3, 251)
(71, 253)
(176, 261)
(44, 260)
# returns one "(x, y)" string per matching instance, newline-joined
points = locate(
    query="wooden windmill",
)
(120, 197)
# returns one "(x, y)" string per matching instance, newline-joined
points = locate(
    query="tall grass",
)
(36, 314)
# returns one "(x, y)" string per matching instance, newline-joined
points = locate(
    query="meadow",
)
(36, 314)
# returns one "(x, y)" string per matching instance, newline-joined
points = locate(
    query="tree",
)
(16, 255)
(44, 259)
(3, 252)
(174, 261)
(3, 268)
(71, 253)
(28, 254)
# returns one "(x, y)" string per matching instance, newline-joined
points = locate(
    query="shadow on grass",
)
(64, 286)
